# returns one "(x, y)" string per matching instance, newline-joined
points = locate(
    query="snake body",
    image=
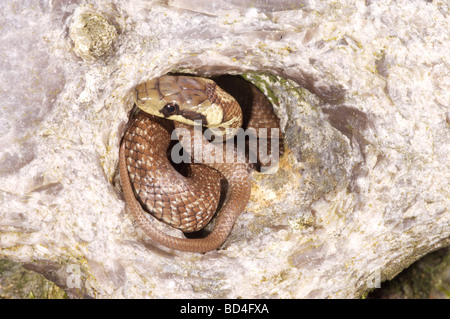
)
(187, 201)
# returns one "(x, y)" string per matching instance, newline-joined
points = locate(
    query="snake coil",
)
(188, 201)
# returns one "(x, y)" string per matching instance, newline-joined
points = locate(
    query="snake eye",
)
(170, 109)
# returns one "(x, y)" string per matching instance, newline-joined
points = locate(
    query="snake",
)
(187, 197)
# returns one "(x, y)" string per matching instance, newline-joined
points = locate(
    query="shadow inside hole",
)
(240, 89)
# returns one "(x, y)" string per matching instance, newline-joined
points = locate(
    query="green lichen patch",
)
(18, 283)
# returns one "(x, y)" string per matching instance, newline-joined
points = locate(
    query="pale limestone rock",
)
(362, 90)
(92, 35)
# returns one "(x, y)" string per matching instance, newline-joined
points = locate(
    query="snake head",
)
(189, 100)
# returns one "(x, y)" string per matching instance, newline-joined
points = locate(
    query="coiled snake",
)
(188, 201)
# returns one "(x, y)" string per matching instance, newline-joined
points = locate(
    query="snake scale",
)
(187, 198)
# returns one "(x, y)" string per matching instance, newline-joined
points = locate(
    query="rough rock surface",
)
(362, 89)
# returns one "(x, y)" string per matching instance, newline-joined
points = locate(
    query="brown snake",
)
(187, 201)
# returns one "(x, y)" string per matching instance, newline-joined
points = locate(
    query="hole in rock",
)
(258, 113)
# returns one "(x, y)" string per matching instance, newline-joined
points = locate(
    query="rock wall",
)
(362, 91)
